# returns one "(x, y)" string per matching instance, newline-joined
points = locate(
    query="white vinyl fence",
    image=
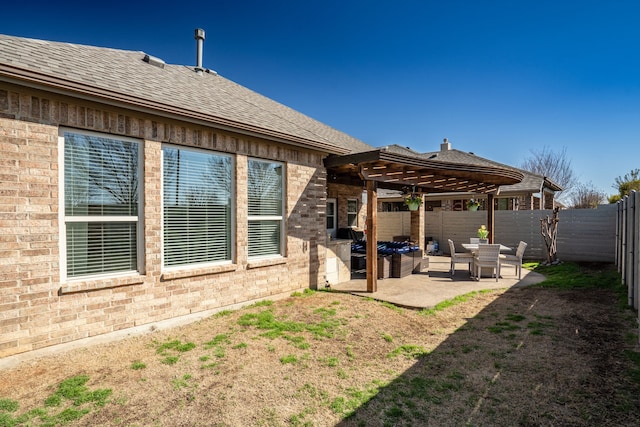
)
(583, 234)
(628, 245)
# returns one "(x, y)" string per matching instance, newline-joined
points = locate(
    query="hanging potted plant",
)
(413, 201)
(473, 205)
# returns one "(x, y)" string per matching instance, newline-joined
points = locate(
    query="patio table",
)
(472, 247)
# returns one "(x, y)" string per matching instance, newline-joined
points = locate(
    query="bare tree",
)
(553, 165)
(585, 196)
(549, 232)
(101, 173)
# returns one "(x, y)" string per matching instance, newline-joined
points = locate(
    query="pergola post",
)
(490, 217)
(417, 226)
(372, 236)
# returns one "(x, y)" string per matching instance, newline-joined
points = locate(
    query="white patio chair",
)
(515, 260)
(487, 256)
(473, 240)
(460, 257)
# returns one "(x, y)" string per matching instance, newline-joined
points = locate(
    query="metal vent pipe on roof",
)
(199, 36)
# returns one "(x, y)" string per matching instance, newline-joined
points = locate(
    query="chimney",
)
(199, 36)
(445, 146)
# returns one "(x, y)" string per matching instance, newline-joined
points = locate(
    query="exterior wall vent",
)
(152, 60)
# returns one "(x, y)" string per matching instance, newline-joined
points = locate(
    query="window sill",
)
(266, 262)
(99, 284)
(190, 272)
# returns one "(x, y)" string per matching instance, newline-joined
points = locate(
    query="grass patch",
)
(170, 360)
(409, 351)
(175, 345)
(218, 340)
(265, 303)
(181, 382)
(571, 275)
(391, 306)
(515, 317)
(332, 361)
(276, 327)
(8, 405)
(304, 293)
(500, 327)
(72, 397)
(290, 358)
(223, 313)
(354, 398)
(137, 365)
(453, 301)
(297, 341)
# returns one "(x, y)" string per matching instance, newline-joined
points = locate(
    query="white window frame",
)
(232, 218)
(354, 213)
(333, 214)
(64, 219)
(280, 218)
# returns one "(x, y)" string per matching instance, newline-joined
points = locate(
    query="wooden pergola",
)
(383, 168)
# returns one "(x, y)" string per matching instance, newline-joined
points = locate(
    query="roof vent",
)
(445, 146)
(199, 36)
(152, 60)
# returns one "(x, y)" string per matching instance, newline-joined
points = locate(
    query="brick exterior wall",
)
(342, 193)
(37, 310)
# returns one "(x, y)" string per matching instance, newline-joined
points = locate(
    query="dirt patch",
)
(528, 356)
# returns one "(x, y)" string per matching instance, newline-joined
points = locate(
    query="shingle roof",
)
(123, 76)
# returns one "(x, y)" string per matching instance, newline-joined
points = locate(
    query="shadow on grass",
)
(552, 354)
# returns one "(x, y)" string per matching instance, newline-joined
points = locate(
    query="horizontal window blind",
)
(100, 204)
(265, 208)
(264, 238)
(197, 190)
(99, 247)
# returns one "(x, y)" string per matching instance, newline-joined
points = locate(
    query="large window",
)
(266, 207)
(197, 193)
(101, 204)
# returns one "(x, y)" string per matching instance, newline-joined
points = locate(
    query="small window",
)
(352, 212)
(502, 204)
(101, 209)
(265, 208)
(197, 200)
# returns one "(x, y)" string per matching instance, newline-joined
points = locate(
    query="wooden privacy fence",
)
(628, 245)
(583, 234)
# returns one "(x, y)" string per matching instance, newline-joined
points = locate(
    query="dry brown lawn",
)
(527, 357)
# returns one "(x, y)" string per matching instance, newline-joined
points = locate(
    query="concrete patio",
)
(434, 284)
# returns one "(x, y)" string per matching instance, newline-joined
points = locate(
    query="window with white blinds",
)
(265, 208)
(197, 200)
(101, 204)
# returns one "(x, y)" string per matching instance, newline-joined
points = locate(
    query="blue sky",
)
(498, 78)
